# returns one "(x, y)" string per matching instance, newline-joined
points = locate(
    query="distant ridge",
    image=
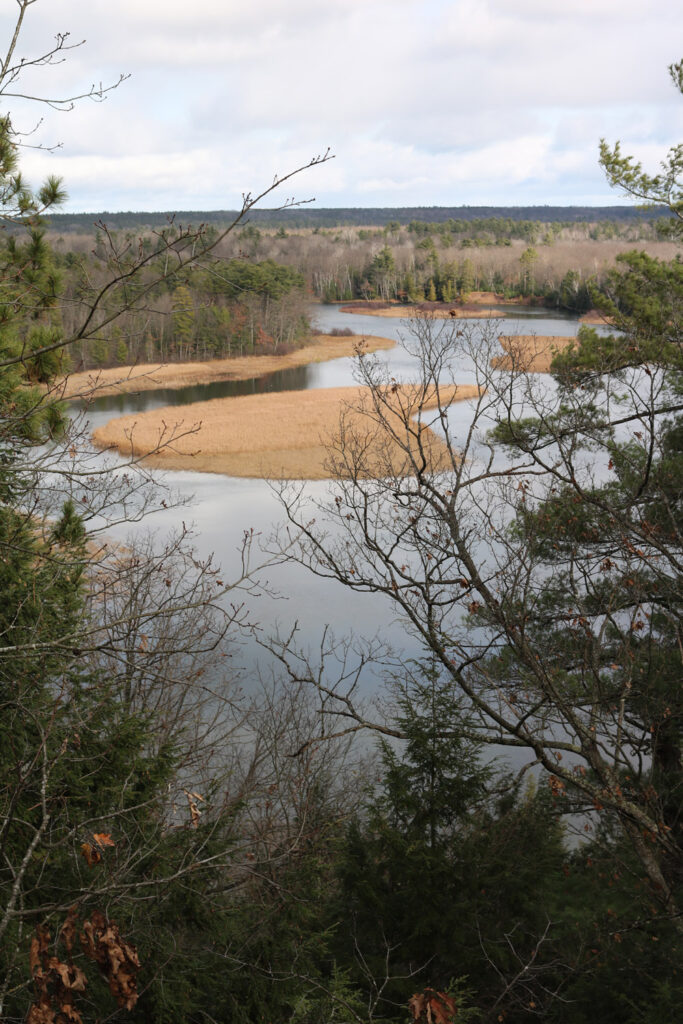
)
(312, 217)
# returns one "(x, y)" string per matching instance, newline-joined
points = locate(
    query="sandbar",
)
(438, 313)
(531, 353)
(281, 435)
(153, 376)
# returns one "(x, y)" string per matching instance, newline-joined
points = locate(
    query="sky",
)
(420, 102)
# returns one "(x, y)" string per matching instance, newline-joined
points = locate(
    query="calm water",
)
(103, 409)
(223, 507)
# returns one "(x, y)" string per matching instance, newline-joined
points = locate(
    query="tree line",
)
(313, 217)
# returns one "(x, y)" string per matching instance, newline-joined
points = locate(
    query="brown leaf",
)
(103, 839)
(79, 981)
(68, 932)
(88, 939)
(41, 1013)
(62, 970)
(116, 958)
(433, 1007)
(195, 813)
(417, 1005)
(55, 982)
(70, 1013)
(34, 955)
(92, 856)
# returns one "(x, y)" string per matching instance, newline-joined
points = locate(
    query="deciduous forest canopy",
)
(175, 847)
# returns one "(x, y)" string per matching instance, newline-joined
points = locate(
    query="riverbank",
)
(478, 306)
(282, 435)
(151, 377)
(532, 353)
(439, 311)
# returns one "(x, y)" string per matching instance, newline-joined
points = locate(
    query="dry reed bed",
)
(152, 377)
(282, 435)
(532, 353)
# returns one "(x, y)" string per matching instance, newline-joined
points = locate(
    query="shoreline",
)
(154, 376)
(479, 306)
(281, 435)
(409, 312)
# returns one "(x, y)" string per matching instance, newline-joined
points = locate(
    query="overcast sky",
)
(422, 102)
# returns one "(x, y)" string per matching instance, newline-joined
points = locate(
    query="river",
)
(223, 508)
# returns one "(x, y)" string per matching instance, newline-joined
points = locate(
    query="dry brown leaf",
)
(432, 1007)
(103, 839)
(41, 1013)
(55, 982)
(68, 932)
(195, 813)
(118, 960)
(91, 855)
(71, 1014)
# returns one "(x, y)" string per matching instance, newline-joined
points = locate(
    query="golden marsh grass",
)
(283, 435)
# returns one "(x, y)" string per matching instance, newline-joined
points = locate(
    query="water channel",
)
(223, 508)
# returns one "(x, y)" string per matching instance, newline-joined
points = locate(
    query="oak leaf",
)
(103, 839)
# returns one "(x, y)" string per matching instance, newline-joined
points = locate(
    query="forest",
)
(317, 217)
(254, 294)
(175, 847)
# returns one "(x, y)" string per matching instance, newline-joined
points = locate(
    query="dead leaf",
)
(92, 856)
(195, 813)
(39, 944)
(103, 839)
(432, 1007)
(118, 960)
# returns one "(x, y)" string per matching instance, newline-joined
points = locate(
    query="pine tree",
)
(466, 279)
(434, 875)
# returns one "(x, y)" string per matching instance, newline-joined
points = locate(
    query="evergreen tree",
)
(436, 872)
(183, 319)
(466, 279)
(527, 262)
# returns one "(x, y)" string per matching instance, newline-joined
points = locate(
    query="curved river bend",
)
(224, 507)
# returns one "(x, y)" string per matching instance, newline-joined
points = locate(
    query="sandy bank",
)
(277, 435)
(479, 306)
(151, 377)
(446, 312)
(531, 352)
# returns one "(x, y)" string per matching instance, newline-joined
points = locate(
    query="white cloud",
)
(424, 101)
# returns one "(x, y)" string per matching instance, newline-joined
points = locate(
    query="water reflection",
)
(294, 379)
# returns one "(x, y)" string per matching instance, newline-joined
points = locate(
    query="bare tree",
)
(542, 592)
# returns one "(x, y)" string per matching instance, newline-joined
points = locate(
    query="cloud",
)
(423, 100)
